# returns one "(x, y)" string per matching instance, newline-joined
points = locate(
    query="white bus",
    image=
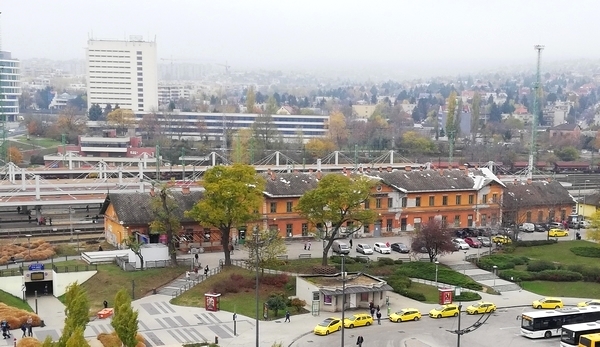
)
(548, 323)
(571, 333)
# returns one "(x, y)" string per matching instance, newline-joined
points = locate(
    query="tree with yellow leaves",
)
(338, 132)
(593, 232)
(319, 147)
(14, 155)
(121, 118)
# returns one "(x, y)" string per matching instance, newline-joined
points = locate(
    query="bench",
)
(304, 256)
(283, 257)
(105, 313)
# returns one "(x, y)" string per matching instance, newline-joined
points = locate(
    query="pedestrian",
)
(196, 258)
(305, 245)
(24, 329)
(387, 244)
(350, 243)
(105, 303)
(287, 317)
(378, 317)
(18, 209)
(100, 249)
(309, 244)
(87, 208)
(372, 312)
(231, 248)
(371, 305)
(378, 308)
(50, 220)
(29, 217)
(206, 269)
(5, 329)
(359, 341)
(29, 326)
(187, 275)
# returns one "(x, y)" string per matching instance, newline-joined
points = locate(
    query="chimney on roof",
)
(152, 192)
(466, 170)
(185, 190)
(529, 181)
(549, 179)
(344, 170)
(360, 169)
(476, 166)
(407, 168)
(319, 174)
(269, 172)
(368, 170)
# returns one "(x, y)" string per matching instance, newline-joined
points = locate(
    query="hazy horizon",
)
(419, 37)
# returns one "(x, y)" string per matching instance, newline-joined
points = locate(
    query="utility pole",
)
(536, 105)
(157, 156)
(183, 164)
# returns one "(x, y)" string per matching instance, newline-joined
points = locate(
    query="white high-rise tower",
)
(10, 85)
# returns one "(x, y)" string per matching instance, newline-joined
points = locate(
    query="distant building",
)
(168, 92)
(363, 111)
(565, 129)
(60, 101)
(10, 84)
(124, 73)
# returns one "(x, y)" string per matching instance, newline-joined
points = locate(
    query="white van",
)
(340, 247)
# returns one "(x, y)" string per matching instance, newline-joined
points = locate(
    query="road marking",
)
(508, 328)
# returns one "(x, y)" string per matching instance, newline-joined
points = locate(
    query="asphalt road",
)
(501, 329)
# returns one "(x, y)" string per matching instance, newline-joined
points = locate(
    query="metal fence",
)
(124, 263)
(74, 268)
(196, 278)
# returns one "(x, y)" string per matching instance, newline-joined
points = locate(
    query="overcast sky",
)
(313, 34)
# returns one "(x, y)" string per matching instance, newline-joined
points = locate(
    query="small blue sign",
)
(36, 267)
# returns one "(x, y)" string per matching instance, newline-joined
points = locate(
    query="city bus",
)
(591, 340)
(548, 323)
(571, 333)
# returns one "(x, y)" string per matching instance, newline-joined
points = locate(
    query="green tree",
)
(568, 153)
(48, 342)
(125, 319)
(264, 130)
(136, 247)
(276, 302)
(593, 232)
(270, 246)
(77, 308)
(250, 100)
(475, 113)
(95, 112)
(271, 105)
(451, 117)
(166, 221)
(457, 118)
(77, 339)
(336, 202)
(232, 197)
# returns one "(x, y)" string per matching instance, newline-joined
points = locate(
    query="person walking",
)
(24, 329)
(206, 269)
(359, 341)
(372, 312)
(379, 317)
(309, 244)
(350, 243)
(29, 326)
(287, 317)
(305, 244)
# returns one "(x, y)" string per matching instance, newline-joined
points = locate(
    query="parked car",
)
(461, 244)
(589, 303)
(382, 248)
(555, 225)
(503, 239)
(539, 228)
(358, 320)
(547, 303)
(340, 247)
(527, 227)
(400, 248)
(473, 242)
(449, 310)
(558, 233)
(328, 326)
(406, 314)
(485, 241)
(364, 248)
(584, 224)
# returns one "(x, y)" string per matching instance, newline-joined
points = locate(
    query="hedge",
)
(589, 273)
(412, 294)
(400, 285)
(540, 265)
(516, 276)
(534, 243)
(336, 259)
(502, 261)
(426, 270)
(591, 252)
(385, 261)
(467, 296)
(559, 276)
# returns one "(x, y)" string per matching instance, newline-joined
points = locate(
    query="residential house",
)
(565, 130)
(326, 291)
(459, 197)
(130, 214)
(287, 110)
(589, 204)
(363, 112)
(535, 202)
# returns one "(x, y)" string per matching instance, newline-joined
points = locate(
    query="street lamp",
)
(29, 242)
(343, 295)
(495, 272)
(437, 263)
(256, 243)
(465, 267)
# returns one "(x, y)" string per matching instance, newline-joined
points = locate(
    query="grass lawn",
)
(13, 301)
(562, 289)
(242, 302)
(305, 266)
(71, 249)
(558, 252)
(431, 292)
(110, 279)
(39, 141)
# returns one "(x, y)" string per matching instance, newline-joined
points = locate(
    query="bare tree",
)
(433, 238)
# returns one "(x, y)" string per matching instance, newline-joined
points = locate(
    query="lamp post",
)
(495, 272)
(256, 243)
(343, 295)
(437, 263)
(465, 267)
(29, 244)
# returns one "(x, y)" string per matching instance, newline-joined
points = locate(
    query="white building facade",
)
(10, 86)
(122, 72)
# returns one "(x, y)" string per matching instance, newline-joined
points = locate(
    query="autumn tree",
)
(250, 100)
(69, 123)
(125, 319)
(121, 118)
(593, 232)
(475, 112)
(136, 247)
(14, 155)
(413, 142)
(232, 197)
(338, 132)
(270, 245)
(433, 237)
(77, 308)
(318, 148)
(150, 125)
(76, 339)
(271, 105)
(166, 220)
(335, 203)
(242, 151)
(451, 117)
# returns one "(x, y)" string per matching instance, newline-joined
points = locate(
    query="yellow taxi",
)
(405, 314)
(501, 239)
(449, 310)
(328, 326)
(589, 303)
(547, 303)
(481, 307)
(557, 233)
(358, 320)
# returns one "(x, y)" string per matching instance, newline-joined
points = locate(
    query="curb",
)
(298, 338)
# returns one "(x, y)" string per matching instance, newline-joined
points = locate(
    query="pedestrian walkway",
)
(483, 277)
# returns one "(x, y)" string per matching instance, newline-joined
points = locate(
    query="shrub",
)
(591, 252)
(540, 265)
(559, 276)
(398, 282)
(516, 276)
(446, 275)
(398, 261)
(29, 342)
(589, 273)
(502, 261)
(279, 280)
(412, 294)
(534, 243)
(361, 259)
(297, 304)
(15, 316)
(336, 259)
(112, 340)
(385, 261)
(467, 296)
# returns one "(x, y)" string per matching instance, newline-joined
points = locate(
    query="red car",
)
(473, 242)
